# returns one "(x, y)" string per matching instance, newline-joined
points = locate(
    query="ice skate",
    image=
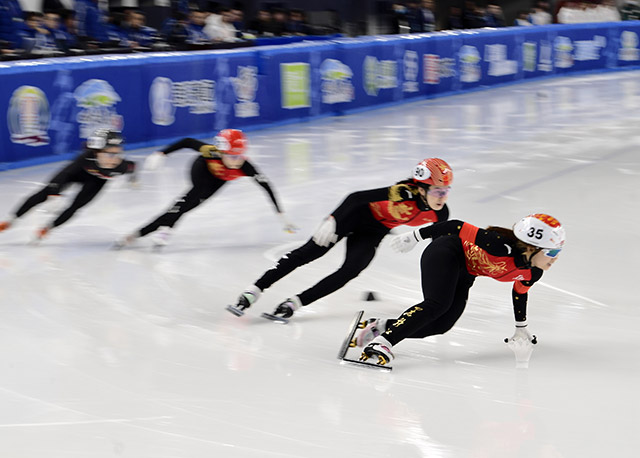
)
(4, 225)
(246, 299)
(123, 242)
(160, 238)
(40, 235)
(370, 329)
(379, 349)
(284, 311)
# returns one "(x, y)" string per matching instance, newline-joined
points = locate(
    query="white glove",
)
(326, 233)
(522, 334)
(287, 225)
(521, 343)
(403, 243)
(154, 160)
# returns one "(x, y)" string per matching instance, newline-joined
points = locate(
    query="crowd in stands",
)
(88, 29)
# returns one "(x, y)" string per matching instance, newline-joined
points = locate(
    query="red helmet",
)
(232, 142)
(433, 171)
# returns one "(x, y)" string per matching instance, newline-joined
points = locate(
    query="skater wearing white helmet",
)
(459, 253)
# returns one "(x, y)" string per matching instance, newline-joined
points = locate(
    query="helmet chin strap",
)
(423, 203)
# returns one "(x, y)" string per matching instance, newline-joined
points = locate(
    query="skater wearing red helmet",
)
(459, 253)
(218, 163)
(363, 218)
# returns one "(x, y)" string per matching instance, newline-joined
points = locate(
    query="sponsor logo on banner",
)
(379, 74)
(545, 64)
(529, 57)
(336, 82)
(411, 67)
(589, 49)
(469, 64)
(435, 68)
(295, 85)
(628, 46)
(161, 101)
(28, 116)
(245, 86)
(97, 100)
(165, 96)
(499, 65)
(564, 52)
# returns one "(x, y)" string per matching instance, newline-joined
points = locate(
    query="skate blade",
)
(367, 364)
(235, 311)
(353, 327)
(277, 319)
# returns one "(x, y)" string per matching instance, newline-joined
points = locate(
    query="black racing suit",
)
(85, 171)
(208, 174)
(364, 218)
(449, 265)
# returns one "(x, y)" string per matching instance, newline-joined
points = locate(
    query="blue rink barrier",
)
(49, 106)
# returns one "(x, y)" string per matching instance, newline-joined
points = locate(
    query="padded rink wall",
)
(49, 106)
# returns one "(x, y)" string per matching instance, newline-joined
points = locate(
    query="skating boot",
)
(250, 296)
(4, 225)
(123, 242)
(370, 329)
(161, 237)
(284, 311)
(379, 348)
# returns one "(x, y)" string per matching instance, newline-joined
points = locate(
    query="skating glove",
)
(154, 160)
(326, 233)
(287, 225)
(403, 243)
(521, 334)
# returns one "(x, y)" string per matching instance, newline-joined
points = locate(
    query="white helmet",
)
(540, 230)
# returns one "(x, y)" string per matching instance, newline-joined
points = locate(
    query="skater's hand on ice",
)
(403, 243)
(287, 225)
(326, 233)
(154, 161)
(521, 334)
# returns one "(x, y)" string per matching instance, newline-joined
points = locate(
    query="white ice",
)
(131, 353)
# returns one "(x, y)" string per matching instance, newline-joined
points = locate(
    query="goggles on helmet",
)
(439, 192)
(551, 252)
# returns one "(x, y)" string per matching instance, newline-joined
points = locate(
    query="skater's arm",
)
(262, 180)
(205, 149)
(519, 295)
(359, 198)
(490, 241)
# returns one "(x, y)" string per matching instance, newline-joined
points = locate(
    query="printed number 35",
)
(537, 233)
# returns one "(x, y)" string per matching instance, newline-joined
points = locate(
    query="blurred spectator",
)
(195, 29)
(11, 23)
(297, 24)
(279, 21)
(455, 21)
(53, 23)
(36, 39)
(176, 30)
(138, 31)
(90, 21)
(522, 19)
(540, 14)
(428, 16)
(262, 25)
(630, 11)
(222, 29)
(608, 12)
(399, 18)
(493, 16)
(238, 20)
(415, 19)
(69, 29)
(472, 16)
(116, 32)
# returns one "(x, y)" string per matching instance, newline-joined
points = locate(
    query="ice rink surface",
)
(131, 353)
